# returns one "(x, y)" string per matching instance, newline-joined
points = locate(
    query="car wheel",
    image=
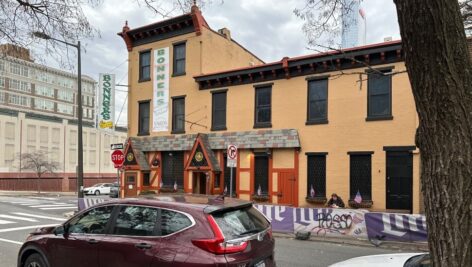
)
(35, 260)
(97, 192)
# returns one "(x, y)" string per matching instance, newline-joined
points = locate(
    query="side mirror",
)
(60, 230)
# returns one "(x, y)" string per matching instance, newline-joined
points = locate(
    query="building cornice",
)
(358, 57)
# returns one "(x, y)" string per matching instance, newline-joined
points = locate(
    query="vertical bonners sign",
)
(106, 100)
(161, 90)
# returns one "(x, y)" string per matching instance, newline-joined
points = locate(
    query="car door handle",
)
(92, 241)
(143, 245)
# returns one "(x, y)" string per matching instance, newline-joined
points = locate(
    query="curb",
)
(402, 246)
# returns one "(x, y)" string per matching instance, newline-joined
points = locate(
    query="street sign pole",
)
(232, 157)
(231, 182)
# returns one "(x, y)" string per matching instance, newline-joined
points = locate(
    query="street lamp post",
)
(80, 158)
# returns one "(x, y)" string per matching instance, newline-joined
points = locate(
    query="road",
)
(21, 215)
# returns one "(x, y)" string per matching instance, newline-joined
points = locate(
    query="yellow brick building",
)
(305, 127)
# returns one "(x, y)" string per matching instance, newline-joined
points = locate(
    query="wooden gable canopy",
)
(201, 156)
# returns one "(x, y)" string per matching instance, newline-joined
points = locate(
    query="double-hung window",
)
(317, 101)
(145, 66)
(178, 114)
(179, 59)
(379, 103)
(218, 110)
(263, 107)
(143, 120)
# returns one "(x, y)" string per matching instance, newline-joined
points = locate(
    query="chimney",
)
(225, 32)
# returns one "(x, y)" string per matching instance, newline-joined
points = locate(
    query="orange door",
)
(130, 185)
(286, 188)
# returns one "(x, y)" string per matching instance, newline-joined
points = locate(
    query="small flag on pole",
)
(312, 191)
(226, 190)
(259, 191)
(358, 198)
(175, 185)
(161, 184)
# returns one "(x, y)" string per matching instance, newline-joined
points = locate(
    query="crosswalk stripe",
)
(11, 241)
(49, 205)
(39, 216)
(26, 227)
(46, 198)
(23, 202)
(5, 222)
(60, 208)
(17, 218)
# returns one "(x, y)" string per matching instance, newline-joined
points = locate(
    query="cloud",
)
(267, 28)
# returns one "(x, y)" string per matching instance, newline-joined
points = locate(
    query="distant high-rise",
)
(353, 24)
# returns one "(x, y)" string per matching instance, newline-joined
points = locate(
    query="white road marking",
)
(60, 208)
(5, 222)
(11, 241)
(39, 216)
(23, 202)
(27, 204)
(49, 205)
(26, 227)
(46, 198)
(17, 218)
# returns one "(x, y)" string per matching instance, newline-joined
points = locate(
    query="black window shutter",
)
(361, 176)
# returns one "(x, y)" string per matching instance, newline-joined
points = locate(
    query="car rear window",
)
(239, 223)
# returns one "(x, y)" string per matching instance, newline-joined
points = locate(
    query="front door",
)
(199, 183)
(399, 180)
(286, 188)
(130, 185)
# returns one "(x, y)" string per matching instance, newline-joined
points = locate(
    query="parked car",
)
(388, 260)
(183, 230)
(98, 189)
(115, 190)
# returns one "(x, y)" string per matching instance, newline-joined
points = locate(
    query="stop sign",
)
(118, 158)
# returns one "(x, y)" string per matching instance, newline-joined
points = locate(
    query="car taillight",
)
(269, 233)
(217, 245)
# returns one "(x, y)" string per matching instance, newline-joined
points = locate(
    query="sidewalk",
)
(36, 194)
(403, 246)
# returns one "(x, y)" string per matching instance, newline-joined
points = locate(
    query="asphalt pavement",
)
(20, 215)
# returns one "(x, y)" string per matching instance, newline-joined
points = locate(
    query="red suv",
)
(184, 230)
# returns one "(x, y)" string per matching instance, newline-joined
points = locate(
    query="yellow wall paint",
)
(283, 158)
(244, 158)
(275, 180)
(244, 181)
(245, 197)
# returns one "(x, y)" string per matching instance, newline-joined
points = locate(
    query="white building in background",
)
(38, 112)
(353, 24)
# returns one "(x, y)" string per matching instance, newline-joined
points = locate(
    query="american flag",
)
(175, 185)
(259, 191)
(312, 191)
(358, 198)
(161, 184)
(226, 190)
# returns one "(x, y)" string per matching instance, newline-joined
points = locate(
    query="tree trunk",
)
(440, 73)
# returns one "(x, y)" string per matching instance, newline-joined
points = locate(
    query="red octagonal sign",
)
(118, 158)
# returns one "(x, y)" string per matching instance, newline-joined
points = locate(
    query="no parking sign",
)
(232, 156)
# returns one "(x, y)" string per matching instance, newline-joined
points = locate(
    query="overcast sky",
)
(267, 28)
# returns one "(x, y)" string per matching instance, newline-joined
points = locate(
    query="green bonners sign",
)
(161, 90)
(106, 101)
